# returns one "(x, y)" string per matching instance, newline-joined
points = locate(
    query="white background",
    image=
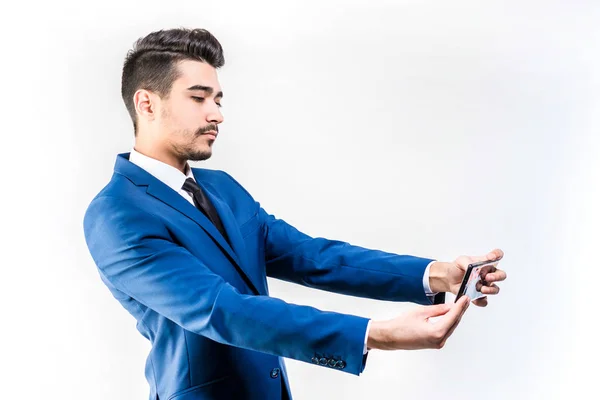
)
(432, 128)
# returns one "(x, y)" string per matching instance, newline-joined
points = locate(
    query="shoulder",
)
(119, 187)
(230, 190)
(116, 204)
(221, 179)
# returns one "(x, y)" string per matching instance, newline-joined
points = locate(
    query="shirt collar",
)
(164, 172)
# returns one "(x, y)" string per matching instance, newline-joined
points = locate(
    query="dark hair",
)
(152, 62)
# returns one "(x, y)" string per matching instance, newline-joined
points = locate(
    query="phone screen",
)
(471, 284)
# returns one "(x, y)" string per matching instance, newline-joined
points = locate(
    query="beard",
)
(196, 148)
(197, 155)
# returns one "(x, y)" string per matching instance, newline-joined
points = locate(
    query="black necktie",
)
(203, 204)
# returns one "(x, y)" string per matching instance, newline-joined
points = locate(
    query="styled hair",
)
(152, 62)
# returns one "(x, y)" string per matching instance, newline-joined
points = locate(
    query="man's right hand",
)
(414, 330)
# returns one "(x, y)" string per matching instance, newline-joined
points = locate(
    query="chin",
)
(200, 155)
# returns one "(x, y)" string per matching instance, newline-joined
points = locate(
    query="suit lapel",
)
(168, 196)
(173, 199)
(225, 214)
(229, 223)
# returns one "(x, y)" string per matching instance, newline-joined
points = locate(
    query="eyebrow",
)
(207, 89)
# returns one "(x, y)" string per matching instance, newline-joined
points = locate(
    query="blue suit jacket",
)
(204, 304)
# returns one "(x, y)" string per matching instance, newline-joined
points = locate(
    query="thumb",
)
(493, 255)
(437, 310)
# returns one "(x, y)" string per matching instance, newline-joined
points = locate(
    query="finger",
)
(493, 255)
(450, 332)
(485, 271)
(481, 302)
(457, 310)
(436, 310)
(495, 276)
(490, 289)
(455, 324)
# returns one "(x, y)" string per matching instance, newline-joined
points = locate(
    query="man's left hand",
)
(447, 277)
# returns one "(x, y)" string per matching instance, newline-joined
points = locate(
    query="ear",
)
(145, 104)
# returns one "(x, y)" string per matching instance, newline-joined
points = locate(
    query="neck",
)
(163, 156)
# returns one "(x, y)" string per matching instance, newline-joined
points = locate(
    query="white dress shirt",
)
(167, 174)
(175, 179)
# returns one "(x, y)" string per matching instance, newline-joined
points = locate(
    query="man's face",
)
(190, 115)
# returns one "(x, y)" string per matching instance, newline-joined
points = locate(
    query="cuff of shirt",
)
(365, 351)
(426, 286)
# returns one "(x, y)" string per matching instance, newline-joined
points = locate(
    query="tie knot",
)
(190, 186)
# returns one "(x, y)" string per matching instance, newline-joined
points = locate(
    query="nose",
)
(214, 115)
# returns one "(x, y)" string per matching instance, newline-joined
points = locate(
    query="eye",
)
(201, 99)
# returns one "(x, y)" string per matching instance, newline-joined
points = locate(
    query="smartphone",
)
(471, 283)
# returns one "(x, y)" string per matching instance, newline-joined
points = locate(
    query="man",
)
(187, 251)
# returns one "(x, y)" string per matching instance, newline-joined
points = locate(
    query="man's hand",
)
(447, 277)
(414, 330)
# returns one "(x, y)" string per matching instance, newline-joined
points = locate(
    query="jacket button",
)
(274, 373)
(323, 361)
(315, 360)
(332, 363)
(340, 364)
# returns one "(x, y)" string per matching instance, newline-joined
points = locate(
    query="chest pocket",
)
(250, 226)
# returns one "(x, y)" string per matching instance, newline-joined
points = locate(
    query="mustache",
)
(207, 128)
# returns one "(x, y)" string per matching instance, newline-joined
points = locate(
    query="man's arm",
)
(338, 266)
(133, 251)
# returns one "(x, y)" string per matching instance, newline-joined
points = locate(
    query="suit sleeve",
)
(133, 250)
(340, 267)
